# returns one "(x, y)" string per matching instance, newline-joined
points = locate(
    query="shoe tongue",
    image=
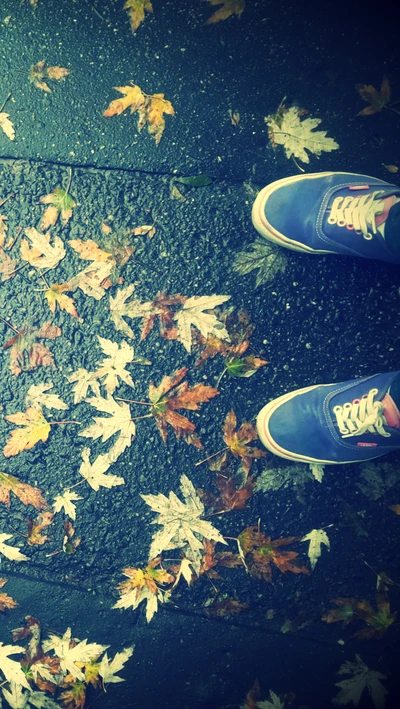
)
(391, 412)
(388, 203)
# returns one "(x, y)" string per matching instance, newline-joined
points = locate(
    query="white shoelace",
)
(357, 213)
(361, 415)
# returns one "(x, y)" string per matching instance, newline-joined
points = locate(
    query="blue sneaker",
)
(333, 423)
(332, 213)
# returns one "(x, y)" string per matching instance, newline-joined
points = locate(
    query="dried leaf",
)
(55, 295)
(13, 554)
(173, 394)
(34, 428)
(94, 473)
(70, 544)
(298, 135)
(26, 493)
(316, 537)
(37, 397)
(224, 608)
(35, 528)
(237, 441)
(72, 653)
(10, 668)
(376, 99)
(391, 168)
(109, 668)
(89, 250)
(136, 11)
(61, 204)
(229, 8)
(260, 552)
(7, 126)
(151, 108)
(65, 501)
(377, 478)
(377, 621)
(361, 678)
(234, 492)
(119, 422)
(395, 509)
(194, 313)
(8, 265)
(268, 258)
(6, 602)
(112, 368)
(40, 71)
(144, 585)
(41, 254)
(27, 354)
(83, 381)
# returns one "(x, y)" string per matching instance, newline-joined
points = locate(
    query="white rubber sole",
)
(266, 439)
(267, 230)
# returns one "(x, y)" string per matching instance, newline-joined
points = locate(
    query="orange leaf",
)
(35, 528)
(221, 609)
(237, 439)
(151, 108)
(26, 493)
(230, 7)
(395, 508)
(56, 296)
(34, 428)
(5, 600)
(26, 353)
(261, 552)
(136, 10)
(234, 493)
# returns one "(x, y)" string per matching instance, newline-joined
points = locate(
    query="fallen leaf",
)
(237, 440)
(175, 194)
(252, 697)
(65, 501)
(391, 168)
(173, 394)
(109, 668)
(234, 116)
(34, 428)
(26, 493)
(94, 280)
(55, 295)
(70, 544)
(376, 99)
(35, 528)
(361, 678)
(37, 397)
(377, 621)
(136, 11)
(72, 652)
(315, 538)
(377, 478)
(89, 250)
(151, 108)
(27, 354)
(94, 473)
(182, 526)
(260, 552)
(61, 204)
(395, 509)
(224, 608)
(144, 585)
(266, 257)
(8, 265)
(40, 71)
(112, 368)
(234, 492)
(7, 126)
(162, 307)
(40, 253)
(6, 602)
(10, 668)
(11, 553)
(297, 136)
(84, 380)
(75, 696)
(119, 422)
(146, 230)
(229, 8)
(194, 313)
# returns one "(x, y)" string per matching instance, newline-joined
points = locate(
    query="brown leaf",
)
(261, 552)
(27, 494)
(70, 544)
(5, 600)
(376, 99)
(26, 353)
(395, 509)
(234, 492)
(40, 71)
(35, 528)
(173, 394)
(75, 696)
(253, 696)
(378, 621)
(227, 607)
(136, 11)
(151, 109)
(8, 265)
(237, 440)
(229, 7)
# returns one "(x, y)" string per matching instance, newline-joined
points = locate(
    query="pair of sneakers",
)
(333, 213)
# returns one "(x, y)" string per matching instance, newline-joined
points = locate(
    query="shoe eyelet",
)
(347, 405)
(341, 222)
(350, 227)
(368, 236)
(337, 409)
(356, 401)
(331, 220)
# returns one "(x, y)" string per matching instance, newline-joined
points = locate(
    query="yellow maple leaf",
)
(34, 428)
(55, 295)
(40, 71)
(61, 203)
(229, 7)
(151, 108)
(136, 10)
(7, 126)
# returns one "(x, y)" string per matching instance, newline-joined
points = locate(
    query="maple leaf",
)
(297, 135)
(32, 630)
(192, 314)
(83, 381)
(94, 473)
(252, 697)
(8, 266)
(376, 99)
(34, 428)
(144, 585)
(37, 397)
(55, 295)
(230, 7)
(89, 250)
(40, 253)
(10, 668)
(136, 10)
(35, 528)
(378, 621)
(234, 492)
(27, 354)
(361, 678)
(273, 703)
(3, 227)
(12, 553)
(173, 394)
(237, 440)
(224, 608)
(6, 125)
(61, 204)
(112, 368)
(5, 600)
(72, 652)
(40, 71)
(316, 537)
(260, 552)
(149, 311)
(182, 526)
(395, 509)
(109, 668)
(65, 501)
(70, 544)
(119, 422)
(151, 108)
(265, 256)
(26, 493)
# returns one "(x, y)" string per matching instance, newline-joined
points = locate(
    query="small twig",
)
(69, 180)
(390, 108)
(10, 326)
(75, 484)
(211, 456)
(54, 553)
(45, 282)
(17, 532)
(220, 377)
(4, 103)
(133, 401)
(24, 265)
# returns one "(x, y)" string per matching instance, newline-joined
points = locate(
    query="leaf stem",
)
(220, 377)
(136, 418)
(10, 326)
(133, 401)
(75, 484)
(24, 265)
(200, 462)
(389, 108)
(69, 180)
(59, 423)
(4, 200)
